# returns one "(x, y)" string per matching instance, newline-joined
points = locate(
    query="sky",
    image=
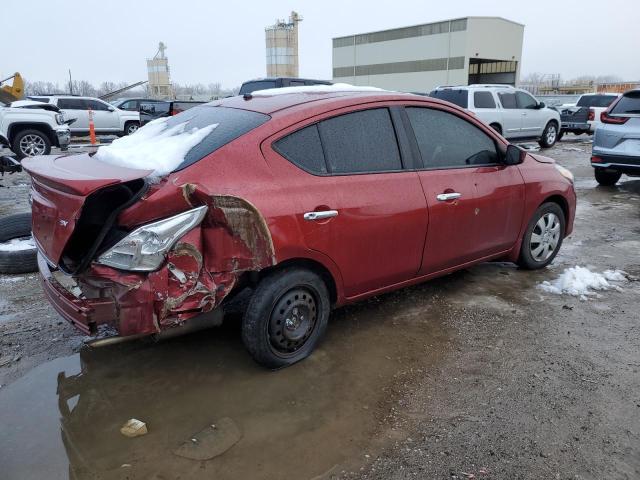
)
(210, 41)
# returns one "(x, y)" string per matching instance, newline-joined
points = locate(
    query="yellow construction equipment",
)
(14, 92)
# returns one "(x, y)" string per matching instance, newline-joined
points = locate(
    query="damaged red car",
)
(308, 201)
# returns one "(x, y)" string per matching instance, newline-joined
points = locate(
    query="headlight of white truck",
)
(144, 249)
(60, 118)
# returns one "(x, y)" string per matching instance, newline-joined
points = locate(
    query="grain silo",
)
(158, 74)
(282, 47)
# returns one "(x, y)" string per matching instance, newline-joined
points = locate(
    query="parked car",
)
(307, 205)
(31, 128)
(616, 144)
(584, 115)
(151, 111)
(133, 104)
(278, 82)
(512, 112)
(107, 119)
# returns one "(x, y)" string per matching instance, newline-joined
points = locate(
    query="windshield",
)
(596, 100)
(458, 97)
(249, 87)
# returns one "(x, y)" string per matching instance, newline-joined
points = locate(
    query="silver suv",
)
(513, 112)
(616, 144)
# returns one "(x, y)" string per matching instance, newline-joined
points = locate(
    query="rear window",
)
(628, 104)
(232, 123)
(259, 85)
(596, 100)
(458, 97)
(483, 100)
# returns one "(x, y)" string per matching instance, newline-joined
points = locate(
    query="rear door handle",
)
(311, 216)
(443, 197)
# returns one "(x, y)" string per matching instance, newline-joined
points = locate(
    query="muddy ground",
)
(476, 375)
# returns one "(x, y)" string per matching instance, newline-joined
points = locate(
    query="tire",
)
(16, 261)
(496, 127)
(131, 127)
(560, 135)
(274, 329)
(29, 143)
(543, 237)
(606, 177)
(549, 135)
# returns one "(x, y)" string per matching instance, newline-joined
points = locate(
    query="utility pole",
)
(70, 83)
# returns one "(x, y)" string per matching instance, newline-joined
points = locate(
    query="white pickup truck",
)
(584, 115)
(31, 128)
(107, 119)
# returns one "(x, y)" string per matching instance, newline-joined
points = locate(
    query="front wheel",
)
(549, 135)
(543, 238)
(606, 177)
(131, 128)
(286, 317)
(29, 143)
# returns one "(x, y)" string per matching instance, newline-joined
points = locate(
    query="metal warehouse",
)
(418, 58)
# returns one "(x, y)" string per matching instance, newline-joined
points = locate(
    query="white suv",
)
(513, 112)
(107, 119)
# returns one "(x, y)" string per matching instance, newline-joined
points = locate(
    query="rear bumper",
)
(572, 126)
(623, 163)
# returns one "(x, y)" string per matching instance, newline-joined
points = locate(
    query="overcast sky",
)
(210, 41)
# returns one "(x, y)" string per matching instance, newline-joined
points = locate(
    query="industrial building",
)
(418, 58)
(158, 74)
(282, 47)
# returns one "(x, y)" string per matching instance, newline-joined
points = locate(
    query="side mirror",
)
(514, 155)
(541, 105)
(111, 109)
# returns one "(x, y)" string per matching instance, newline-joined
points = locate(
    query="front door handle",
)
(443, 197)
(311, 216)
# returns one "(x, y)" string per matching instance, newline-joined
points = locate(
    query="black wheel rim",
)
(292, 321)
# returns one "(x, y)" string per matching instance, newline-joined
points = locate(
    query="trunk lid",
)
(60, 187)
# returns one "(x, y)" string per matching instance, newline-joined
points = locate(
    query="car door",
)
(75, 108)
(511, 115)
(105, 117)
(447, 182)
(359, 207)
(533, 117)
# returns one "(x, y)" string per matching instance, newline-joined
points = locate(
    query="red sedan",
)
(307, 200)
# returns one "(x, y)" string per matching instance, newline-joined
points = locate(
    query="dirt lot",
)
(480, 374)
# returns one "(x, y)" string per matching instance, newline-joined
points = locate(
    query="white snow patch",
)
(17, 245)
(580, 282)
(336, 87)
(156, 147)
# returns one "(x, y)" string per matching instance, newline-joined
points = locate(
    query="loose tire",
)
(549, 135)
(605, 177)
(12, 260)
(29, 143)
(131, 128)
(286, 317)
(543, 237)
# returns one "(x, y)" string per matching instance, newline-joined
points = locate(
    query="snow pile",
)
(580, 281)
(336, 87)
(156, 147)
(17, 245)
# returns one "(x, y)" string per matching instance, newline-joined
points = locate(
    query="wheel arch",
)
(17, 127)
(561, 202)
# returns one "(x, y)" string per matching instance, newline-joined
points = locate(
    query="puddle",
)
(62, 420)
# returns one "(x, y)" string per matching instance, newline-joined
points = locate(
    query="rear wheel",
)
(549, 135)
(131, 128)
(543, 238)
(29, 143)
(286, 317)
(606, 177)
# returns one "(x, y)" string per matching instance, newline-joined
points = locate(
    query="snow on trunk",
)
(156, 146)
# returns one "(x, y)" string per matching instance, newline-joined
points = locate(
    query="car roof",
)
(275, 103)
(593, 94)
(474, 86)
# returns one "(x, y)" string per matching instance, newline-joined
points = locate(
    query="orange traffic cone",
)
(92, 129)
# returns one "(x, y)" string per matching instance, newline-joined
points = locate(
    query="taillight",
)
(595, 159)
(592, 115)
(173, 112)
(606, 118)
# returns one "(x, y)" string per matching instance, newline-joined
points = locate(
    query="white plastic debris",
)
(580, 281)
(134, 428)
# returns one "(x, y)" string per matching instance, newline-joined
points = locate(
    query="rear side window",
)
(508, 100)
(232, 123)
(447, 141)
(628, 104)
(483, 100)
(303, 148)
(71, 104)
(360, 142)
(458, 97)
(596, 100)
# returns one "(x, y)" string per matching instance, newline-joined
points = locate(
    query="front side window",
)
(96, 106)
(483, 100)
(524, 100)
(508, 100)
(362, 141)
(447, 141)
